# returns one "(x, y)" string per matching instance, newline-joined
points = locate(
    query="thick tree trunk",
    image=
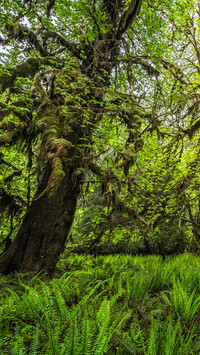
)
(45, 227)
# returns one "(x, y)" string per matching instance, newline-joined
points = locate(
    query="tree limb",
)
(26, 69)
(128, 17)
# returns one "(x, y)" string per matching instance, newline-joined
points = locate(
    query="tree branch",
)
(26, 69)
(128, 17)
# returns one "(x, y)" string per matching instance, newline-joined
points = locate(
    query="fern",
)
(86, 338)
(185, 304)
(153, 338)
(187, 343)
(137, 334)
(17, 347)
(128, 346)
(88, 296)
(87, 311)
(35, 342)
(34, 306)
(103, 318)
(52, 335)
(59, 302)
(71, 345)
(139, 286)
(171, 336)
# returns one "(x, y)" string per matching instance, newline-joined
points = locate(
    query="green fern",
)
(103, 318)
(184, 304)
(127, 346)
(171, 334)
(60, 302)
(187, 341)
(33, 350)
(17, 347)
(71, 341)
(86, 337)
(152, 348)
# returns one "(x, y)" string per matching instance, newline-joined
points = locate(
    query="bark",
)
(45, 227)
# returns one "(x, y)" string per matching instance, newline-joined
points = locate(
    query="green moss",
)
(26, 69)
(56, 177)
(13, 132)
(50, 117)
(139, 112)
(51, 133)
(136, 118)
(11, 125)
(58, 144)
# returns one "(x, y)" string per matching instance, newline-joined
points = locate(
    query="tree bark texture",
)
(44, 229)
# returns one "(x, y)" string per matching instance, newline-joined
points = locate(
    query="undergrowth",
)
(105, 305)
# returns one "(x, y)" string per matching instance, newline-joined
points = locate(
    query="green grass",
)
(105, 305)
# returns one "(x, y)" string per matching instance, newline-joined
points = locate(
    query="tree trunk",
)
(45, 227)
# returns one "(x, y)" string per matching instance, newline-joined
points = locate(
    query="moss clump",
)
(139, 112)
(56, 177)
(25, 69)
(51, 133)
(13, 132)
(58, 144)
(11, 125)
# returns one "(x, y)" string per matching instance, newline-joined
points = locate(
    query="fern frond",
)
(71, 343)
(103, 318)
(86, 338)
(17, 344)
(128, 347)
(171, 336)
(60, 303)
(35, 343)
(153, 337)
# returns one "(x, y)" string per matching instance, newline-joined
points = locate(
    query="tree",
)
(96, 92)
(62, 58)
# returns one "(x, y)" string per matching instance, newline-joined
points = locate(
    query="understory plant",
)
(104, 305)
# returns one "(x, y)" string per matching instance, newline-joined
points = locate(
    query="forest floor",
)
(104, 305)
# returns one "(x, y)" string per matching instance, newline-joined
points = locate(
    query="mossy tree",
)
(61, 57)
(92, 82)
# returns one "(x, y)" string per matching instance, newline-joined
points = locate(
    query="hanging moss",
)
(25, 69)
(139, 112)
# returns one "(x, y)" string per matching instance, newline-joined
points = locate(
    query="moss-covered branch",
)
(191, 130)
(21, 32)
(14, 131)
(26, 69)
